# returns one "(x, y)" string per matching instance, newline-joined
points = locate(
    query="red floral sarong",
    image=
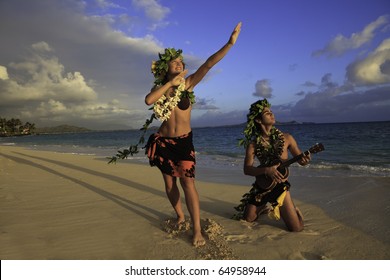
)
(174, 156)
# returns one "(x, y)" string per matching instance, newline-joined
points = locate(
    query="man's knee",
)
(250, 214)
(296, 228)
(187, 183)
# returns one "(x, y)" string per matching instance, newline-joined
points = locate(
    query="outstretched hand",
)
(235, 33)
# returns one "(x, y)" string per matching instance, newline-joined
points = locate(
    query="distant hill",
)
(277, 123)
(284, 123)
(60, 129)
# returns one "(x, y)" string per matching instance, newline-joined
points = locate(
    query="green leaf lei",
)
(133, 149)
(159, 70)
(267, 154)
(188, 94)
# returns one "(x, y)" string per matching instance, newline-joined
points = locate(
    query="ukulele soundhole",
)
(284, 172)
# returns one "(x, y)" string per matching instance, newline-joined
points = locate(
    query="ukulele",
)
(266, 183)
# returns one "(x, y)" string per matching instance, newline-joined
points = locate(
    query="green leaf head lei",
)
(160, 67)
(251, 130)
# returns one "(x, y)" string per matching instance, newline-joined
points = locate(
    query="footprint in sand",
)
(241, 238)
(174, 229)
(276, 236)
(312, 256)
(249, 225)
(216, 247)
(310, 232)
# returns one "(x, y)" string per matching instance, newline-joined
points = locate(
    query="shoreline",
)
(65, 206)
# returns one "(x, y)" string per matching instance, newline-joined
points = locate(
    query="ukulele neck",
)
(294, 159)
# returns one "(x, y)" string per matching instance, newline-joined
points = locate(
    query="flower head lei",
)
(163, 107)
(266, 151)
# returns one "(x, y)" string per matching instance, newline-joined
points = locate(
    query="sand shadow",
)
(206, 206)
(123, 202)
(224, 210)
(125, 182)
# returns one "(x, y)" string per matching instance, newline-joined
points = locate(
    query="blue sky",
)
(87, 63)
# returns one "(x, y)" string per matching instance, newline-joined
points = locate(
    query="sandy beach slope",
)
(64, 206)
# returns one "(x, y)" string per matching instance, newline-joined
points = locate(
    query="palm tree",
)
(3, 126)
(15, 127)
(27, 128)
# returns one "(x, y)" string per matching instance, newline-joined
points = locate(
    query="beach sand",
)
(56, 206)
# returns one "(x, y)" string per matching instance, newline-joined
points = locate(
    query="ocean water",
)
(351, 149)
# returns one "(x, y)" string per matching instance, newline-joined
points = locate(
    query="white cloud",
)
(217, 118)
(327, 104)
(80, 65)
(3, 73)
(341, 44)
(104, 4)
(42, 47)
(39, 90)
(373, 69)
(41, 76)
(153, 9)
(338, 103)
(367, 105)
(309, 84)
(205, 104)
(263, 89)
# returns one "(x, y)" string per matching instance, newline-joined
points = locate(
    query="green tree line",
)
(13, 127)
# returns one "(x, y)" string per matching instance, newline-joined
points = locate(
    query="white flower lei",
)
(164, 105)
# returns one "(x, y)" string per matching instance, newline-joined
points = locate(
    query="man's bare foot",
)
(182, 224)
(198, 240)
(180, 220)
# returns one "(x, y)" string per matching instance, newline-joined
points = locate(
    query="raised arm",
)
(196, 77)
